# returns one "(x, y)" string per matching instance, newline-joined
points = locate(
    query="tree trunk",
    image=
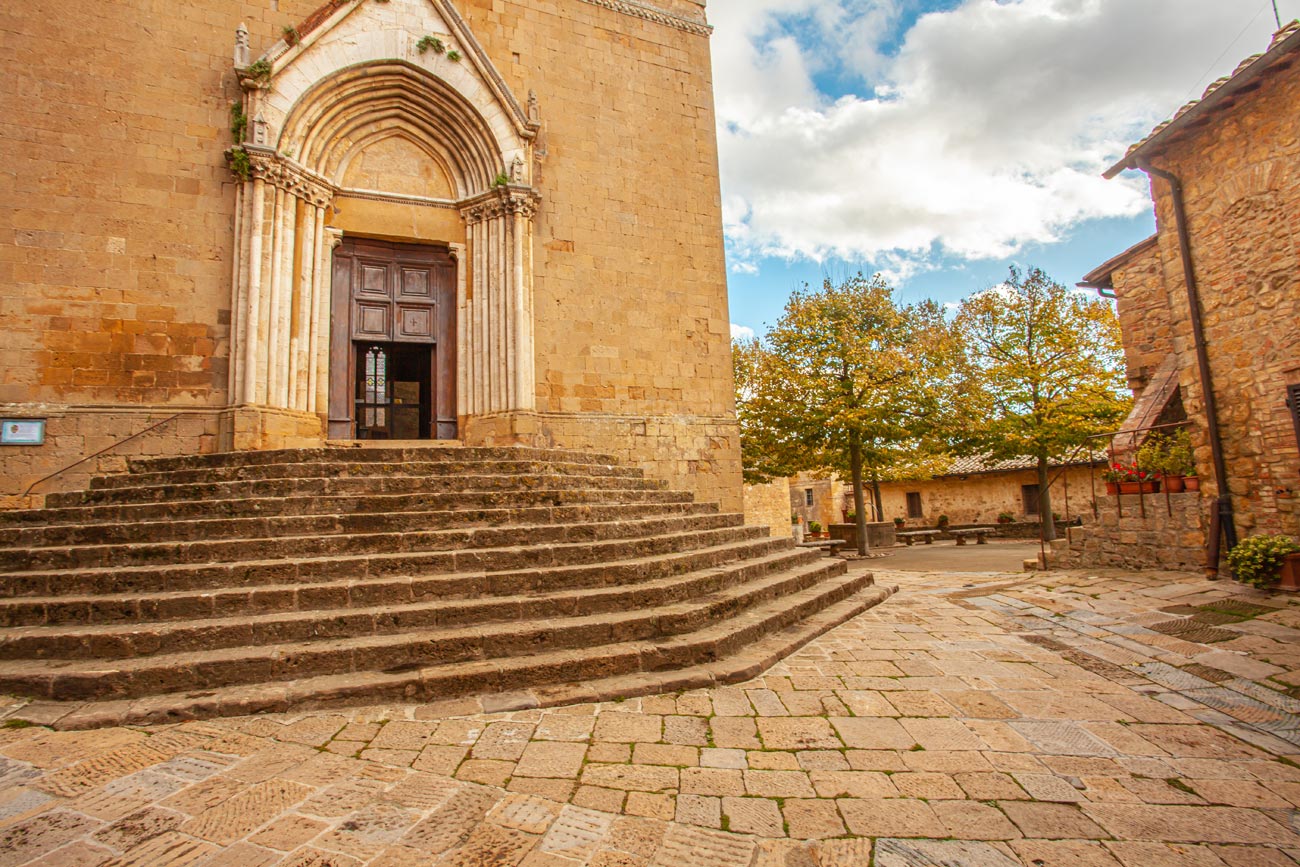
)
(1045, 502)
(879, 511)
(859, 506)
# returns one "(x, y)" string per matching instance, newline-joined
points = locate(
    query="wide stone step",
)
(341, 468)
(199, 529)
(730, 651)
(360, 503)
(368, 453)
(349, 485)
(313, 545)
(777, 597)
(540, 613)
(255, 573)
(136, 608)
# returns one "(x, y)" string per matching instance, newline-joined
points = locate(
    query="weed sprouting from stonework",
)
(260, 71)
(240, 165)
(433, 43)
(453, 56)
(238, 122)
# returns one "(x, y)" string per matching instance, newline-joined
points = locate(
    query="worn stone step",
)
(379, 454)
(205, 528)
(139, 608)
(255, 573)
(337, 504)
(278, 547)
(342, 468)
(598, 638)
(348, 485)
(725, 652)
(541, 613)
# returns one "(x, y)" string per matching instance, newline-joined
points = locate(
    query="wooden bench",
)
(980, 534)
(910, 536)
(832, 546)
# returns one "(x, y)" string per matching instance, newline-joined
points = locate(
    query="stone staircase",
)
(263, 581)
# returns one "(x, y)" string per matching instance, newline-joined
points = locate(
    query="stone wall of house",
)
(116, 244)
(979, 499)
(1156, 533)
(1241, 178)
(769, 505)
(1144, 315)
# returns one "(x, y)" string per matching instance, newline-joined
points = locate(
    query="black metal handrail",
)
(100, 452)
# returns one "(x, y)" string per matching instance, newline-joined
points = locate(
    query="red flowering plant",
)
(1124, 473)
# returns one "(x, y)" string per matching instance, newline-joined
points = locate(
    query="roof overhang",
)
(1220, 94)
(1100, 277)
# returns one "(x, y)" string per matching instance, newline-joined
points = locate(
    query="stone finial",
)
(242, 55)
(517, 170)
(534, 110)
(259, 129)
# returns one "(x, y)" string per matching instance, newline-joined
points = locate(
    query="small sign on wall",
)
(22, 432)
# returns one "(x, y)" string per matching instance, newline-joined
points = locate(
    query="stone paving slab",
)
(972, 720)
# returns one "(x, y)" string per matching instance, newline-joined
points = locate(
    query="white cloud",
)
(741, 332)
(986, 129)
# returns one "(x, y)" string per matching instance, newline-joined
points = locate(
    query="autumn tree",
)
(846, 380)
(1044, 372)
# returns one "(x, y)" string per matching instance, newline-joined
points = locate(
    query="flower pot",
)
(1148, 487)
(1175, 484)
(1289, 578)
(1192, 483)
(1112, 488)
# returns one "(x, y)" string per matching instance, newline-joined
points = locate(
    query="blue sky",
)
(940, 141)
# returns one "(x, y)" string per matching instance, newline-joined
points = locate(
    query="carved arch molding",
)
(361, 75)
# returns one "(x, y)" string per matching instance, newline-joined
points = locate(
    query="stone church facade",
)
(261, 224)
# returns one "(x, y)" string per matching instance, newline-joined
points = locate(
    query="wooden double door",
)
(392, 341)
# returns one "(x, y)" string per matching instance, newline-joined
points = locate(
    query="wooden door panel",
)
(415, 323)
(373, 279)
(415, 284)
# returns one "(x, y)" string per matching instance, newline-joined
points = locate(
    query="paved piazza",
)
(1059, 719)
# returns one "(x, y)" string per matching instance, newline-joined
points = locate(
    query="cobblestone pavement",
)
(1059, 719)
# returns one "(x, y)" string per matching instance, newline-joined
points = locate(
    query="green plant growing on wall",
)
(240, 165)
(453, 56)
(260, 71)
(501, 180)
(1258, 560)
(428, 43)
(290, 34)
(238, 122)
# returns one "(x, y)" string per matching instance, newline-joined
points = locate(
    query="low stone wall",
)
(879, 535)
(1171, 534)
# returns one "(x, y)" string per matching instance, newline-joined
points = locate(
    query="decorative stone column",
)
(498, 373)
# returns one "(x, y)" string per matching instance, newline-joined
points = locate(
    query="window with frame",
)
(808, 496)
(914, 509)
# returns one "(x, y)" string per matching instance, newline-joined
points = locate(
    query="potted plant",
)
(1170, 456)
(1192, 482)
(942, 523)
(1132, 479)
(898, 522)
(1259, 561)
(815, 528)
(1112, 476)
(1006, 518)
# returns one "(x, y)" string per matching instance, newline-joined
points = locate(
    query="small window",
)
(1293, 401)
(807, 497)
(1029, 499)
(914, 505)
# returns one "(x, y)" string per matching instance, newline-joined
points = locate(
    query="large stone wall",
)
(1241, 177)
(1144, 316)
(116, 245)
(979, 499)
(769, 505)
(1169, 534)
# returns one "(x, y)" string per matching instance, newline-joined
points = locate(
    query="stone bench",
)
(832, 546)
(980, 533)
(910, 536)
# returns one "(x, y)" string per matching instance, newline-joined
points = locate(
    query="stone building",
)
(1213, 300)
(263, 223)
(973, 491)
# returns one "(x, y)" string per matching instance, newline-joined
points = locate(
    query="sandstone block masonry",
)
(1158, 532)
(118, 253)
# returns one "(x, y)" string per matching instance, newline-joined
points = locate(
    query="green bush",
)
(814, 527)
(1258, 560)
